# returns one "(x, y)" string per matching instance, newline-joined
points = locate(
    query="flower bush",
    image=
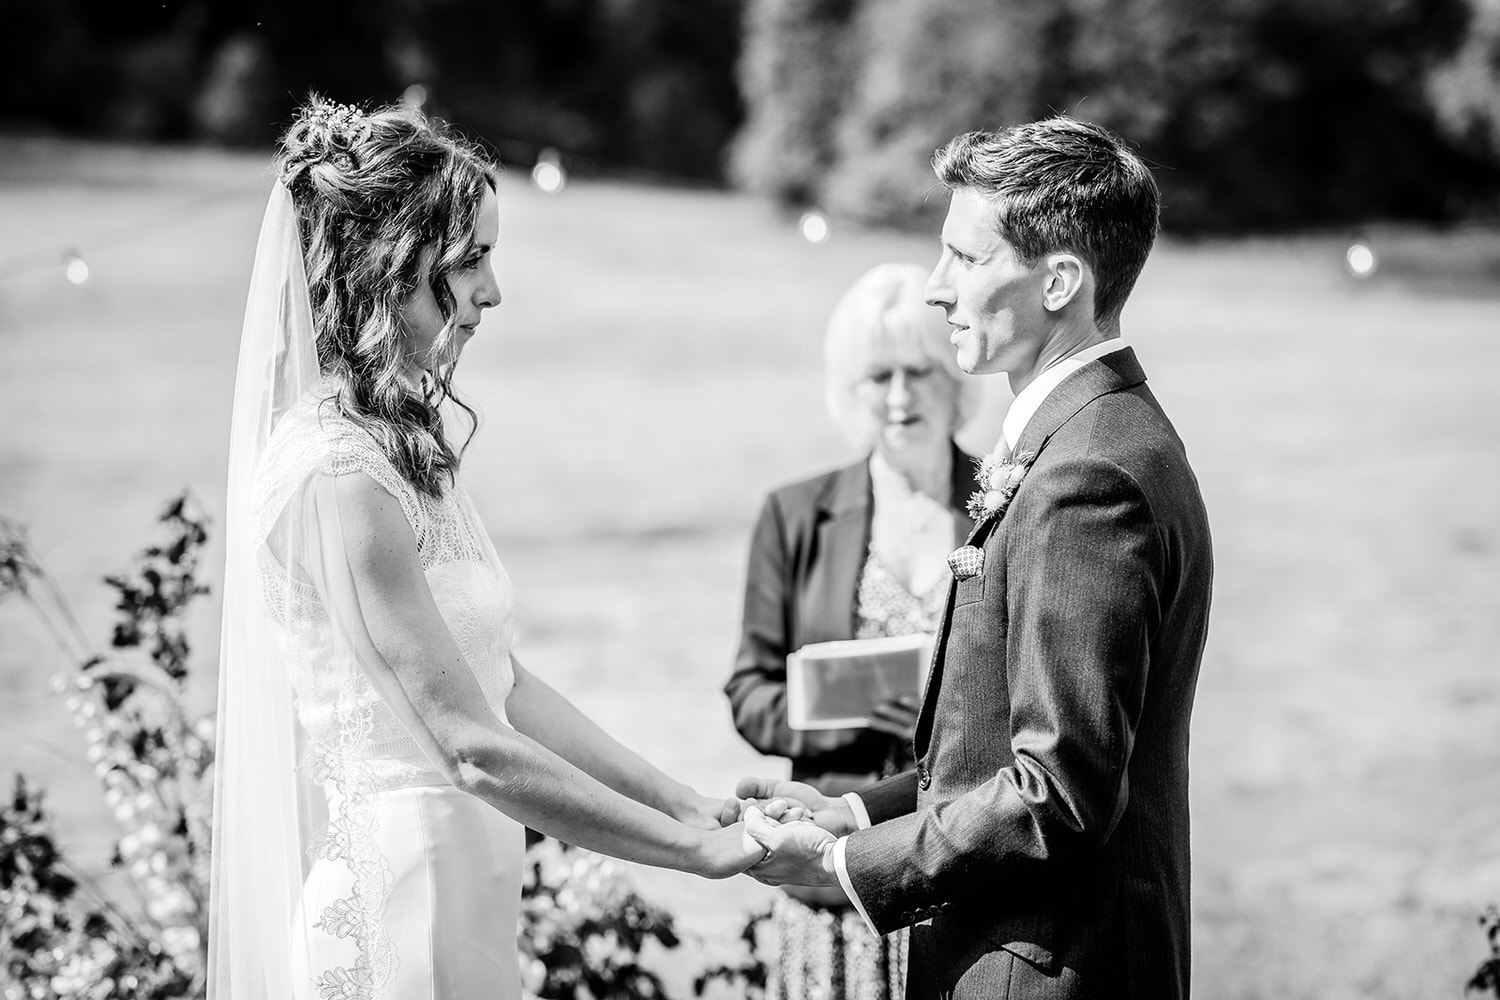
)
(582, 928)
(751, 973)
(1486, 979)
(153, 763)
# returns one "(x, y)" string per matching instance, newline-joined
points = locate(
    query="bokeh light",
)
(75, 268)
(1360, 259)
(814, 227)
(548, 175)
(414, 96)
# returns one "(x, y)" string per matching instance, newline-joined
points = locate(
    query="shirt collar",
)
(1030, 399)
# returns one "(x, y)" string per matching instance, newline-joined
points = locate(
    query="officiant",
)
(859, 552)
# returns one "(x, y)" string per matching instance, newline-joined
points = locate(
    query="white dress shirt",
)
(1031, 398)
(1022, 409)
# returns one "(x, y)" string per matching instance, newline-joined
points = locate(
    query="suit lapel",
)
(934, 677)
(843, 534)
(1111, 373)
(964, 483)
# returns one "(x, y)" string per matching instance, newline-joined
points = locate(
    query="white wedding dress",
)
(414, 886)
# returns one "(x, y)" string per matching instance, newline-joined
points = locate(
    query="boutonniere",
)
(999, 478)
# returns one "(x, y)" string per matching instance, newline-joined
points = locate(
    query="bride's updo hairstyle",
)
(372, 191)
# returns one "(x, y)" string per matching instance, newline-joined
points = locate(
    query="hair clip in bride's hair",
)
(337, 116)
(345, 126)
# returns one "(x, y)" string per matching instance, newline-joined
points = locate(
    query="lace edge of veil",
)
(311, 446)
(350, 836)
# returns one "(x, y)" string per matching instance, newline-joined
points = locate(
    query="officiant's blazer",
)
(1041, 845)
(806, 554)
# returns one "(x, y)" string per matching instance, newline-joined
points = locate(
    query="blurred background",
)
(689, 188)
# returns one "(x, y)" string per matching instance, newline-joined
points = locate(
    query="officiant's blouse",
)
(860, 551)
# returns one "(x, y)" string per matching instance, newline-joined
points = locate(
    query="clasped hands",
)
(795, 824)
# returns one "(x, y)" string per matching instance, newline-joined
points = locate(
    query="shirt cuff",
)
(857, 807)
(843, 873)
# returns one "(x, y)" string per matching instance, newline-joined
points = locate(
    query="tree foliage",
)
(795, 62)
(1257, 113)
(1465, 89)
(631, 83)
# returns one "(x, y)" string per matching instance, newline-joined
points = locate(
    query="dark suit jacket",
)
(805, 559)
(1042, 841)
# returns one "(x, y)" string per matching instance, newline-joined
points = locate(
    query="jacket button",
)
(924, 778)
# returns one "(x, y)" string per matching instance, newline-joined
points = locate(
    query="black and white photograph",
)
(749, 500)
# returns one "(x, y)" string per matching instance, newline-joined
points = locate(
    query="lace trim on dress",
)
(358, 749)
(307, 444)
(350, 837)
(353, 451)
(346, 765)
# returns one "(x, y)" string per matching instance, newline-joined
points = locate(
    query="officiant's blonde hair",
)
(885, 313)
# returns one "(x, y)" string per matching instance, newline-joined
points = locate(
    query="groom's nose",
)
(938, 291)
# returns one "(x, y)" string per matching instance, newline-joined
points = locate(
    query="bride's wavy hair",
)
(374, 190)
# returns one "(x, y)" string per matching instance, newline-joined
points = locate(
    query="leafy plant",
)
(583, 928)
(59, 935)
(156, 591)
(752, 972)
(1487, 978)
(153, 762)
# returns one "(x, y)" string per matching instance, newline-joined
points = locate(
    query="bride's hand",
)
(699, 812)
(727, 851)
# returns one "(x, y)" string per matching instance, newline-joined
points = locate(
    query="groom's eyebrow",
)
(952, 247)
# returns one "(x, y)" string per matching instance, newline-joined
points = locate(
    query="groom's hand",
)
(782, 810)
(780, 800)
(797, 853)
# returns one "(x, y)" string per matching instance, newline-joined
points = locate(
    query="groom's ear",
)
(1064, 280)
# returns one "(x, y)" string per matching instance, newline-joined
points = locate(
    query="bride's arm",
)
(369, 573)
(539, 711)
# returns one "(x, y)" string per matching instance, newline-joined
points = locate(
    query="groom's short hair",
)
(1060, 184)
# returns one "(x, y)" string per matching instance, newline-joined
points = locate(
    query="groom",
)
(1040, 848)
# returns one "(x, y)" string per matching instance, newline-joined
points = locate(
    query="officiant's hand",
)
(897, 717)
(798, 853)
(780, 799)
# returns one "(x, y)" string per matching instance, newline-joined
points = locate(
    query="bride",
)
(380, 749)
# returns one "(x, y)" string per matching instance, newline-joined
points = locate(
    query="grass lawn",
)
(656, 367)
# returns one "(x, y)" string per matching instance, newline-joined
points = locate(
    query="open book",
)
(836, 685)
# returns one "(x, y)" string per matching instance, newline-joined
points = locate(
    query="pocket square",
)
(966, 562)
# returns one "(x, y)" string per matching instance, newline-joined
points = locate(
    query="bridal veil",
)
(283, 556)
